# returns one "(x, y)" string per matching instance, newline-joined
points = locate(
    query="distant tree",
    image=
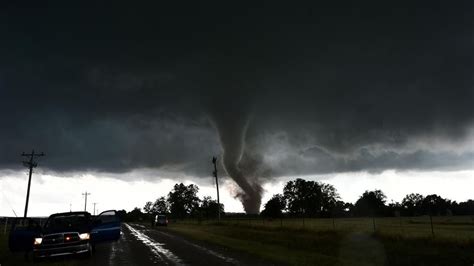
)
(371, 203)
(394, 209)
(411, 204)
(209, 208)
(341, 209)
(435, 205)
(135, 215)
(309, 198)
(464, 208)
(148, 208)
(183, 200)
(122, 214)
(160, 206)
(275, 206)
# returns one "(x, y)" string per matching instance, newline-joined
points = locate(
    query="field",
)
(444, 227)
(396, 241)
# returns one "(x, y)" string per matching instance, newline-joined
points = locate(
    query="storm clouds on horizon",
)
(316, 89)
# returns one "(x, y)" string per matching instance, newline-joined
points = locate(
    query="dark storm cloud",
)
(349, 87)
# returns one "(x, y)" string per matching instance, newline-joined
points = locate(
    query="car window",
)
(67, 222)
(108, 217)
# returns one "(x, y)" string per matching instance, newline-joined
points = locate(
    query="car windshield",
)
(78, 222)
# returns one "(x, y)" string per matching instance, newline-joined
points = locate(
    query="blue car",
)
(64, 233)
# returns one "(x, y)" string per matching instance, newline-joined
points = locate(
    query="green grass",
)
(316, 244)
(458, 227)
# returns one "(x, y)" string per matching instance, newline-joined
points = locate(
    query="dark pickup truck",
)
(64, 233)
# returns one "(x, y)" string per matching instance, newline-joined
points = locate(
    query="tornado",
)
(232, 128)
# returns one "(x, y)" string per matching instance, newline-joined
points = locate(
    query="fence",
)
(6, 222)
(419, 226)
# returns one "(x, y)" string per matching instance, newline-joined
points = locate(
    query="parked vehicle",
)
(64, 233)
(161, 219)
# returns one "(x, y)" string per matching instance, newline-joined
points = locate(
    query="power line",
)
(30, 164)
(8, 202)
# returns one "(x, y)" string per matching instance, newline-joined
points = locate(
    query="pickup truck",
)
(64, 233)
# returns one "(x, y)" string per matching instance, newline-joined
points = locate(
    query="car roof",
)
(70, 214)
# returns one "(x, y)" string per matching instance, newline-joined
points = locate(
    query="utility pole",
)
(214, 161)
(94, 206)
(85, 201)
(70, 207)
(30, 164)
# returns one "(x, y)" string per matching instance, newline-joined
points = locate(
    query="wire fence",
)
(6, 222)
(459, 227)
(419, 226)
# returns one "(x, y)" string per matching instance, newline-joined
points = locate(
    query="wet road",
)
(139, 245)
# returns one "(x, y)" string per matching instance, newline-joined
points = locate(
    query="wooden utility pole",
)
(214, 161)
(30, 164)
(94, 206)
(85, 200)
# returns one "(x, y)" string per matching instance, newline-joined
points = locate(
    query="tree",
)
(135, 215)
(435, 205)
(341, 209)
(464, 208)
(183, 200)
(148, 208)
(309, 198)
(411, 204)
(209, 208)
(160, 206)
(371, 203)
(274, 207)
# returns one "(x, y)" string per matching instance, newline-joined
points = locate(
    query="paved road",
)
(139, 245)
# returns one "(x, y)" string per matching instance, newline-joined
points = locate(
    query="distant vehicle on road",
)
(161, 220)
(64, 233)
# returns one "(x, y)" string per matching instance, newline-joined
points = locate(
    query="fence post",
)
(6, 223)
(401, 226)
(431, 222)
(373, 221)
(333, 224)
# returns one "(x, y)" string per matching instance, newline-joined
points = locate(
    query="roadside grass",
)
(307, 246)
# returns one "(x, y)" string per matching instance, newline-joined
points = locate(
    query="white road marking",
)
(155, 247)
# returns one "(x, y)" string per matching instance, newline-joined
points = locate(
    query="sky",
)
(126, 98)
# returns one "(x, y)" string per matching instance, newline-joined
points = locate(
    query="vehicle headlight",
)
(84, 236)
(38, 241)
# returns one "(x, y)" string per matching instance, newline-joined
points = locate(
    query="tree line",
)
(302, 198)
(181, 202)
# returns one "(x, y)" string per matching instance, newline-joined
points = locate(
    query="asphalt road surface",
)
(140, 245)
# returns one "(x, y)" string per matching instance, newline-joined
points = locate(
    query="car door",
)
(22, 234)
(106, 227)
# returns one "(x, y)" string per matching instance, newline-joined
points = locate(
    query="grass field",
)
(406, 241)
(457, 227)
